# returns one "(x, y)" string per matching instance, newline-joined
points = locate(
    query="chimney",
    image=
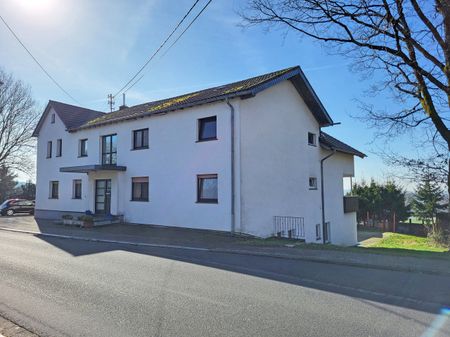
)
(123, 106)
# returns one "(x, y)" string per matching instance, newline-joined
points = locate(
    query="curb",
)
(237, 252)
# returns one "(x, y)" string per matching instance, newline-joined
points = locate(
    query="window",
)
(140, 139)
(312, 139)
(49, 149)
(207, 190)
(76, 190)
(82, 152)
(318, 234)
(207, 128)
(139, 189)
(312, 183)
(53, 119)
(109, 150)
(59, 148)
(54, 189)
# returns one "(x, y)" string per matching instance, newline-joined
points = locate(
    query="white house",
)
(245, 157)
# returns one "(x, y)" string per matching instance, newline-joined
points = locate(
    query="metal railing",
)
(291, 227)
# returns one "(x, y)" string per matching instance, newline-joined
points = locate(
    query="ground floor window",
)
(76, 194)
(318, 232)
(207, 190)
(54, 189)
(139, 189)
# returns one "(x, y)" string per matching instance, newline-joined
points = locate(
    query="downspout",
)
(323, 193)
(233, 223)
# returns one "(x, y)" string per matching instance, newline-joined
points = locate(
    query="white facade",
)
(272, 166)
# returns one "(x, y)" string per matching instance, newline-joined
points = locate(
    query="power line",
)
(182, 33)
(37, 62)
(159, 48)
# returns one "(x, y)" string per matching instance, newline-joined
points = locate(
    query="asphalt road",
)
(58, 287)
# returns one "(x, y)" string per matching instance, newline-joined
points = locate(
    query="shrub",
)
(438, 237)
(67, 217)
(86, 218)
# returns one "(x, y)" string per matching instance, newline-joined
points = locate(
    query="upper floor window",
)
(139, 189)
(53, 119)
(82, 152)
(76, 192)
(312, 183)
(207, 189)
(312, 139)
(49, 149)
(54, 190)
(59, 148)
(207, 128)
(109, 150)
(140, 139)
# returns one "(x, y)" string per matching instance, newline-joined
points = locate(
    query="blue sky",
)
(93, 47)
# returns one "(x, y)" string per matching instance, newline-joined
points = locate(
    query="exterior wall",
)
(276, 161)
(172, 163)
(273, 163)
(343, 226)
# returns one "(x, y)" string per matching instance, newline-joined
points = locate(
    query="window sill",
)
(48, 157)
(139, 148)
(315, 145)
(53, 198)
(82, 156)
(76, 198)
(206, 140)
(313, 188)
(139, 200)
(207, 202)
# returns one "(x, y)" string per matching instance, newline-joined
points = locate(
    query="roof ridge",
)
(76, 106)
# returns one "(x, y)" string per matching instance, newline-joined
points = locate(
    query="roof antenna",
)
(123, 106)
(111, 102)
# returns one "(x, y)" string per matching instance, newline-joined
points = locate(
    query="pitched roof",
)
(243, 89)
(332, 143)
(71, 115)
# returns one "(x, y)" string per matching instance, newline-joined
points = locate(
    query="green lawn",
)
(390, 244)
(409, 242)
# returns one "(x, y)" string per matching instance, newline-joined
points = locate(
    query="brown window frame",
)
(49, 149)
(58, 148)
(314, 138)
(142, 198)
(143, 134)
(81, 153)
(52, 195)
(200, 127)
(75, 195)
(200, 178)
(312, 187)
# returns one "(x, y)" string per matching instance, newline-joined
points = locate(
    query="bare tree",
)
(18, 117)
(407, 40)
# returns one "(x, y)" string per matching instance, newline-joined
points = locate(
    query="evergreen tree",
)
(7, 183)
(428, 200)
(381, 201)
(27, 191)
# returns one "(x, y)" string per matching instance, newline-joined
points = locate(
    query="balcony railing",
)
(351, 204)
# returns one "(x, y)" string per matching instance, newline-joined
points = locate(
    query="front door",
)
(103, 196)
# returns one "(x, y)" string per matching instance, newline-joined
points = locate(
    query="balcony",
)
(351, 204)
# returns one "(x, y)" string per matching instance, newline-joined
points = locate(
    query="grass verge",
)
(390, 244)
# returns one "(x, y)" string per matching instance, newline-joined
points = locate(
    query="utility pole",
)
(111, 102)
